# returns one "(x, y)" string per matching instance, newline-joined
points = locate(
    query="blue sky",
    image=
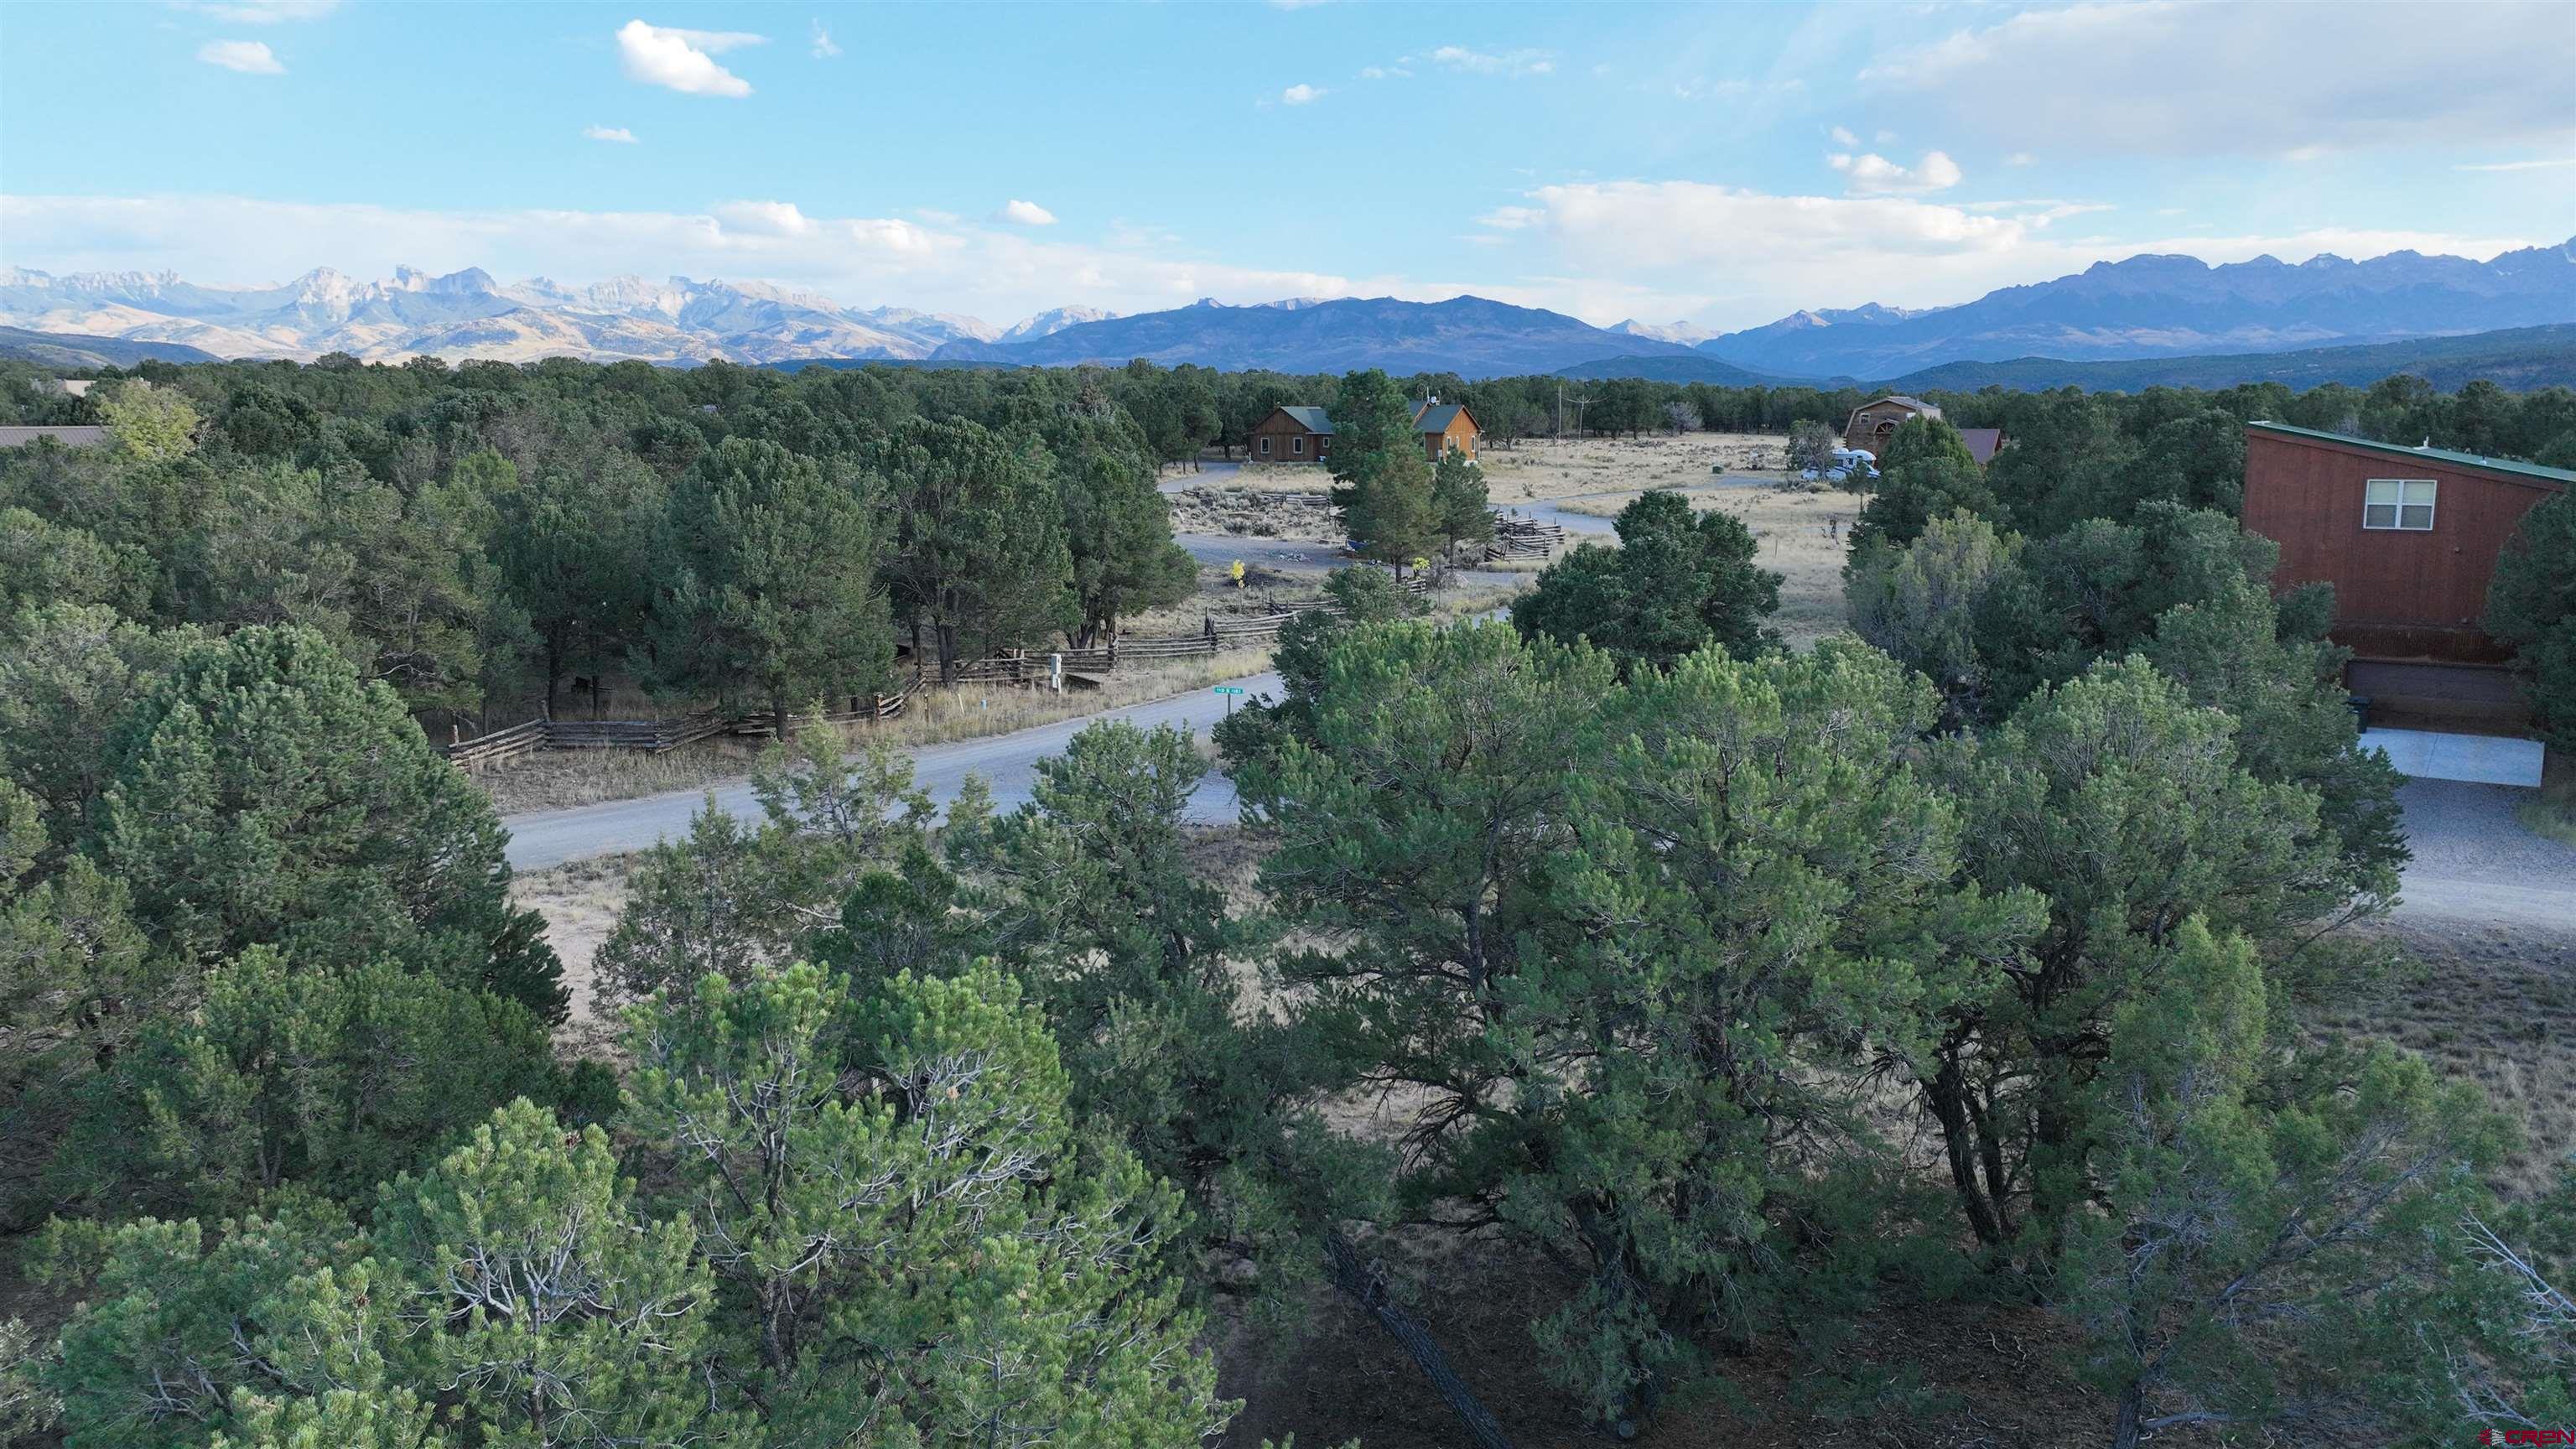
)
(1719, 164)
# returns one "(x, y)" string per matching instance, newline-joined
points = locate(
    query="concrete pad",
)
(2475, 759)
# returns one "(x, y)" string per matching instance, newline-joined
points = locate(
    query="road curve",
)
(1008, 763)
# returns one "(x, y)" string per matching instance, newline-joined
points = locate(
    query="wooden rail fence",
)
(1017, 666)
(1014, 666)
(1523, 538)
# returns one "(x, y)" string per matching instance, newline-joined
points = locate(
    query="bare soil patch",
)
(581, 901)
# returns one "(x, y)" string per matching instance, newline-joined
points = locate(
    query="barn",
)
(1875, 421)
(2409, 537)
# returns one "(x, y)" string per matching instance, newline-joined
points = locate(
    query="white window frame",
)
(1265, 447)
(2400, 498)
(1297, 446)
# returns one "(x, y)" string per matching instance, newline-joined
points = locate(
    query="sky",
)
(1720, 165)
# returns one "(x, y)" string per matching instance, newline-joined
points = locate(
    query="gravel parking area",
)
(2476, 863)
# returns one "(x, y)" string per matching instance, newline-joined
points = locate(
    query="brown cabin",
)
(1874, 422)
(2409, 537)
(1305, 434)
(1444, 426)
(1291, 435)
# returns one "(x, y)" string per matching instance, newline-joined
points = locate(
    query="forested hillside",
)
(1975, 971)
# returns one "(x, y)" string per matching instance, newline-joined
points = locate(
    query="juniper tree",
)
(2127, 807)
(2251, 1253)
(908, 1239)
(259, 794)
(1353, 599)
(729, 896)
(1920, 603)
(1091, 897)
(1679, 581)
(331, 1077)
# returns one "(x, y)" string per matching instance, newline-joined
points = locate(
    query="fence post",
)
(1211, 631)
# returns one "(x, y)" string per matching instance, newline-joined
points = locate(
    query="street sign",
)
(1229, 689)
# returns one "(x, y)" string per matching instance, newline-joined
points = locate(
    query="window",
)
(1265, 447)
(1297, 446)
(2400, 503)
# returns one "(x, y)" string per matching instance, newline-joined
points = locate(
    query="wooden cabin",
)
(1444, 426)
(1291, 435)
(1305, 434)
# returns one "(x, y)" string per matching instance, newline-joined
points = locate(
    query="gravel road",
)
(2474, 862)
(1007, 762)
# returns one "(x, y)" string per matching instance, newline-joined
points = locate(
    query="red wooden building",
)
(2409, 538)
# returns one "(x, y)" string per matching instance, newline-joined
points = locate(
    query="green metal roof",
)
(1312, 419)
(2436, 455)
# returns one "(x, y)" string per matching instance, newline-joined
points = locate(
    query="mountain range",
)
(468, 314)
(1469, 335)
(2171, 306)
(2144, 307)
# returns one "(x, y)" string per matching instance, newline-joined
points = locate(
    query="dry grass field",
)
(1800, 530)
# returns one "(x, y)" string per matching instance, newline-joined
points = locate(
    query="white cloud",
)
(767, 218)
(619, 134)
(1843, 137)
(2550, 164)
(265, 12)
(2019, 158)
(1024, 213)
(1871, 174)
(2177, 78)
(1300, 94)
(1384, 72)
(1777, 252)
(682, 60)
(250, 57)
(1511, 62)
(823, 48)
